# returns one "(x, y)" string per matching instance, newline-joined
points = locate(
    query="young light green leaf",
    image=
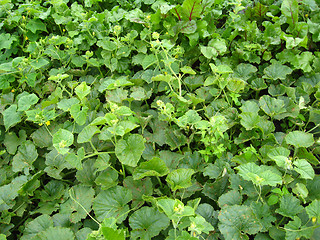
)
(153, 167)
(180, 178)
(175, 209)
(147, 222)
(79, 113)
(61, 140)
(129, 150)
(299, 139)
(200, 225)
(111, 234)
(82, 90)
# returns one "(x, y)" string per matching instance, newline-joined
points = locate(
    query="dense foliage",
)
(159, 119)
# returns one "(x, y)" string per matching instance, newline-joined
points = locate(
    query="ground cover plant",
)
(154, 119)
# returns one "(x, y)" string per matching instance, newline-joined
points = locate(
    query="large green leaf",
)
(26, 101)
(313, 210)
(180, 178)
(79, 203)
(294, 230)
(272, 106)
(237, 221)
(112, 203)
(289, 206)
(87, 133)
(259, 175)
(11, 116)
(305, 169)
(36, 226)
(82, 90)
(147, 222)
(299, 139)
(277, 71)
(129, 150)
(154, 167)
(290, 9)
(26, 155)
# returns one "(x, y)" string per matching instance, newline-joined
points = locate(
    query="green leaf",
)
(232, 197)
(304, 168)
(79, 113)
(107, 45)
(148, 61)
(180, 178)
(139, 188)
(280, 156)
(277, 71)
(26, 101)
(221, 69)
(107, 178)
(25, 156)
(187, 70)
(55, 163)
(6, 40)
(147, 222)
(82, 90)
(11, 117)
(249, 120)
(290, 9)
(294, 230)
(313, 210)
(37, 225)
(153, 167)
(175, 209)
(75, 159)
(61, 140)
(79, 203)
(259, 175)
(200, 225)
(111, 234)
(263, 214)
(129, 150)
(112, 203)
(66, 104)
(102, 161)
(272, 106)
(238, 221)
(191, 117)
(87, 133)
(39, 63)
(57, 233)
(299, 139)
(35, 25)
(289, 206)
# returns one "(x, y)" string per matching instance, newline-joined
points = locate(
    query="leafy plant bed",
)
(159, 119)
